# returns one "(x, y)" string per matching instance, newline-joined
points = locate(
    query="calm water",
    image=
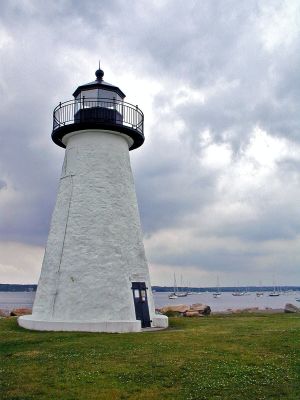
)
(10, 300)
(226, 300)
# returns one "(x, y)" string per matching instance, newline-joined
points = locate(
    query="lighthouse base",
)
(30, 322)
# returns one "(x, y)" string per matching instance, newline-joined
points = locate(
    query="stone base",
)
(160, 321)
(31, 322)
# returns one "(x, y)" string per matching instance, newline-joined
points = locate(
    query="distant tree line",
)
(6, 287)
(223, 289)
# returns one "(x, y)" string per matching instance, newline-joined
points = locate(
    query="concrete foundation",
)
(28, 322)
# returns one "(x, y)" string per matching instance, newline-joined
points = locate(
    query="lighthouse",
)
(95, 274)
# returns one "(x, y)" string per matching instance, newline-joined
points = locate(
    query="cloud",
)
(3, 184)
(20, 263)
(218, 177)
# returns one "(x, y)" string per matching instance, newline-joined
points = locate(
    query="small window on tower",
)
(136, 293)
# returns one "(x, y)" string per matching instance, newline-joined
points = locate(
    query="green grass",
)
(244, 356)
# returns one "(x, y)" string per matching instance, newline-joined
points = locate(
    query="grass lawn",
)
(245, 357)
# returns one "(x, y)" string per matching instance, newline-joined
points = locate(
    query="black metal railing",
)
(98, 111)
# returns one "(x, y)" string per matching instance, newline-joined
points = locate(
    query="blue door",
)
(140, 299)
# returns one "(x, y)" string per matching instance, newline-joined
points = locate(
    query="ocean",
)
(228, 301)
(11, 300)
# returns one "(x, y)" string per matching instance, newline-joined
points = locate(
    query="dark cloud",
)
(170, 184)
(215, 72)
(213, 261)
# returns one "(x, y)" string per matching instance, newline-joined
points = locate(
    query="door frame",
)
(140, 300)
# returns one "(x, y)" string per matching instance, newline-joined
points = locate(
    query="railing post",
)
(136, 116)
(82, 113)
(59, 113)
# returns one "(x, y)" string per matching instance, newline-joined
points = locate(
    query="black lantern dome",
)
(98, 105)
(99, 88)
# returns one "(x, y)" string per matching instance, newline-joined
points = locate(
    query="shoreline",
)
(250, 311)
(5, 313)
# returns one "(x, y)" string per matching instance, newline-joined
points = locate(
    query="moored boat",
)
(217, 293)
(174, 295)
(238, 294)
(274, 294)
(181, 294)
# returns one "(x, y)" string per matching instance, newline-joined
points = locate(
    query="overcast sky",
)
(218, 178)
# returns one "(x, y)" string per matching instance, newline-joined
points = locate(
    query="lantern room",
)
(98, 89)
(98, 105)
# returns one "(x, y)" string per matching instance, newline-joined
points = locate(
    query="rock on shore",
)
(195, 310)
(17, 312)
(290, 308)
(4, 313)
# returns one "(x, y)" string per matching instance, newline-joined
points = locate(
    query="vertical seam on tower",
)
(63, 244)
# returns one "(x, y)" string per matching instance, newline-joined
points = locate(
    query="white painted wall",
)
(95, 248)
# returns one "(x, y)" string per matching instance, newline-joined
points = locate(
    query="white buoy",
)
(95, 275)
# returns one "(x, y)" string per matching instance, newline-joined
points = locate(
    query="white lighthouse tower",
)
(95, 275)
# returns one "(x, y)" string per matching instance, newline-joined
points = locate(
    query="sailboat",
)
(275, 292)
(247, 293)
(181, 293)
(259, 293)
(189, 289)
(217, 293)
(173, 295)
(238, 291)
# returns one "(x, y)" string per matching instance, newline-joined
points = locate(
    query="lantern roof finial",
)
(99, 83)
(99, 73)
